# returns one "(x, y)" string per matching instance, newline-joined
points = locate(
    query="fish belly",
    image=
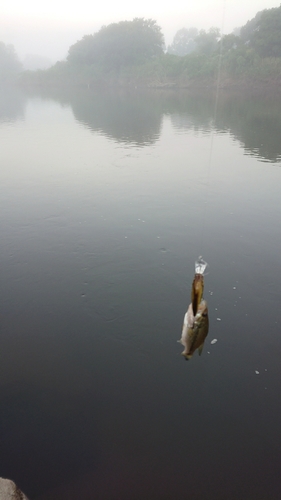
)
(193, 338)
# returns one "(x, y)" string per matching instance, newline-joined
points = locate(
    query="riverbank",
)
(164, 84)
(163, 73)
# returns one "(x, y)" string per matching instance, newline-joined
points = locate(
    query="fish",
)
(196, 320)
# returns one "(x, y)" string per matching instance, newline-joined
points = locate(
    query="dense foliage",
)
(183, 42)
(132, 53)
(119, 44)
(263, 33)
(207, 41)
(191, 40)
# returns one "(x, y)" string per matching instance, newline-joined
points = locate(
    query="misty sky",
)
(49, 28)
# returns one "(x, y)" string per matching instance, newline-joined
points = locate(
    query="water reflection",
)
(255, 120)
(124, 116)
(94, 286)
(12, 104)
(135, 116)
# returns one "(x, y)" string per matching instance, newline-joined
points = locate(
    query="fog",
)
(48, 30)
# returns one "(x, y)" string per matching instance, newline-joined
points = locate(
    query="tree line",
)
(134, 51)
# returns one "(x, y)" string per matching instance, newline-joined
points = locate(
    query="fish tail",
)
(200, 349)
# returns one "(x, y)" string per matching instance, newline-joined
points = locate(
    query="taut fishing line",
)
(204, 223)
(196, 321)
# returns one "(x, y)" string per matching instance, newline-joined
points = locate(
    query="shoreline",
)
(69, 78)
(194, 86)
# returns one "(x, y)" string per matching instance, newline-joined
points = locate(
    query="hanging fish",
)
(196, 321)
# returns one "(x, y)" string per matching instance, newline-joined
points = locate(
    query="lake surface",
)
(106, 201)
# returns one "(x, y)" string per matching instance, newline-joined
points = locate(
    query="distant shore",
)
(154, 83)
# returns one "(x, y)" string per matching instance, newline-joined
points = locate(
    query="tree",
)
(183, 42)
(246, 32)
(229, 42)
(207, 41)
(9, 62)
(265, 39)
(119, 44)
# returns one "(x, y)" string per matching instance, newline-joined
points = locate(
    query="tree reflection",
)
(254, 119)
(12, 104)
(124, 116)
(127, 116)
(134, 116)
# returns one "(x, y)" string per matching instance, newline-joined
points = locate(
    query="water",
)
(106, 201)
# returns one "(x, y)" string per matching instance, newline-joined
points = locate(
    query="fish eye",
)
(204, 314)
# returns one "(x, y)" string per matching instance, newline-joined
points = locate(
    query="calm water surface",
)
(106, 201)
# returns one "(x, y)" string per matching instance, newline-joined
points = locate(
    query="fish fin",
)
(187, 356)
(200, 349)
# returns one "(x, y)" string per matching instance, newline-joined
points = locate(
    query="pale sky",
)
(48, 29)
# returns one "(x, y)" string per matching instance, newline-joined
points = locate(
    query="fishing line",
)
(204, 223)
